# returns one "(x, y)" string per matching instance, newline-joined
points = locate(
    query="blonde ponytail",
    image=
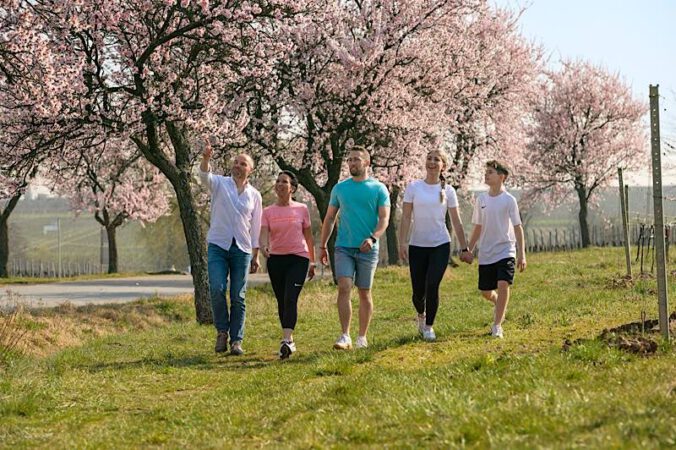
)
(442, 193)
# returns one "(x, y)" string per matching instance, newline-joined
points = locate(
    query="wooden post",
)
(658, 212)
(625, 224)
(626, 200)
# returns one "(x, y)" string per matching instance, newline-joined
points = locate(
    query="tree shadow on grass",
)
(196, 361)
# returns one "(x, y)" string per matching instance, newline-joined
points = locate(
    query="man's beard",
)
(357, 172)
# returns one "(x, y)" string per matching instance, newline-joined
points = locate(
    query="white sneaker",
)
(428, 334)
(421, 323)
(496, 331)
(344, 342)
(362, 342)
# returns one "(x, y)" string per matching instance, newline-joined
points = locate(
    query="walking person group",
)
(361, 205)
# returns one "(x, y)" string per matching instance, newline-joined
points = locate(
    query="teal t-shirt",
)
(358, 202)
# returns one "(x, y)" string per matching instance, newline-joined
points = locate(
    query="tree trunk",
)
(4, 247)
(180, 176)
(4, 234)
(195, 239)
(112, 248)
(584, 226)
(391, 232)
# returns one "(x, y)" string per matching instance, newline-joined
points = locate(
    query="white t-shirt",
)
(497, 216)
(429, 213)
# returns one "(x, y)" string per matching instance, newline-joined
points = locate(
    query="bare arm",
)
(465, 254)
(457, 227)
(310, 241)
(383, 220)
(327, 229)
(520, 248)
(205, 174)
(206, 156)
(264, 243)
(476, 233)
(404, 228)
(256, 221)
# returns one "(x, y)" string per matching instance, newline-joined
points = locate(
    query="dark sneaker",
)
(286, 349)
(236, 348)
(221, 342)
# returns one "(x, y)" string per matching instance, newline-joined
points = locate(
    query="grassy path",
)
(162, 385)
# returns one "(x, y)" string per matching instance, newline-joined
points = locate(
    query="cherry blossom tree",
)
(116, 185)
(390, 75)
(165, 74)
(586, 124)
(33, 102)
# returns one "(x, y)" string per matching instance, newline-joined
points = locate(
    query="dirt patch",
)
(44, 331)
(622, 282)
(640, 337)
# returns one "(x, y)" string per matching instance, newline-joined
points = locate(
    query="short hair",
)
(248, 158)
(499, 166)
(361, 149)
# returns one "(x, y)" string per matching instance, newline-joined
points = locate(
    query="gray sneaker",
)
(221, 342)
(428, 334)
(236, 348)
(420, 321)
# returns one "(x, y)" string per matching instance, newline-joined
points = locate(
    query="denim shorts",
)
(360, 267)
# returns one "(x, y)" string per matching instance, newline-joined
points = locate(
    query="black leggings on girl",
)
(287, 275)
(427, 265)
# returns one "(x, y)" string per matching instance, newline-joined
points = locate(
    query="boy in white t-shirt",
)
(497, 227)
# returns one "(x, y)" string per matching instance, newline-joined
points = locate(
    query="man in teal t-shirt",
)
(364, 206)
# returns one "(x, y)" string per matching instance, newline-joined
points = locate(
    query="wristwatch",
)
(373, 239)
(466, 249)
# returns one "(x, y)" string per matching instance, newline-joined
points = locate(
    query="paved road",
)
(111, 290)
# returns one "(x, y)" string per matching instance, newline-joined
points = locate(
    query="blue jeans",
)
(236, 262)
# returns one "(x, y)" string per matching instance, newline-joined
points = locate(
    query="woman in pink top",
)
(286, 241)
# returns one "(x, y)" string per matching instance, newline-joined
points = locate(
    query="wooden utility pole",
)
(657, 210)
(625, 224)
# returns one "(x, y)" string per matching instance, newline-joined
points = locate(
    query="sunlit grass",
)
(162, 385)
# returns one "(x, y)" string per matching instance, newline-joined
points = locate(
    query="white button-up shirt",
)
(233, 215)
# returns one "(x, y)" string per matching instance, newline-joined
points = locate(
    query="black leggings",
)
(287, 275)
(427, 265)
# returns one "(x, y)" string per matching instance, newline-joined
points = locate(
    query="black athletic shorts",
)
(490, 274)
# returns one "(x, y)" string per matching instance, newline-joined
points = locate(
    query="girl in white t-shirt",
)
(428, 248)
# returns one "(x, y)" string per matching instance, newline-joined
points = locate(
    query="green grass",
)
(164, 386)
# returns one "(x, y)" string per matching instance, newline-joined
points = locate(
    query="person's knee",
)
(488, 295)
(503, 285)
(365, 295)
(344, 285)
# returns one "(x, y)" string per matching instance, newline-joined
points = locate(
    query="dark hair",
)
(292, 176)
(361, 149)
(499, 166)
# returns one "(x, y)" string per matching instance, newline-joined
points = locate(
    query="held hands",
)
(466, 257)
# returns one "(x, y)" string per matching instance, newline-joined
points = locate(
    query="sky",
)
(634, 38)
